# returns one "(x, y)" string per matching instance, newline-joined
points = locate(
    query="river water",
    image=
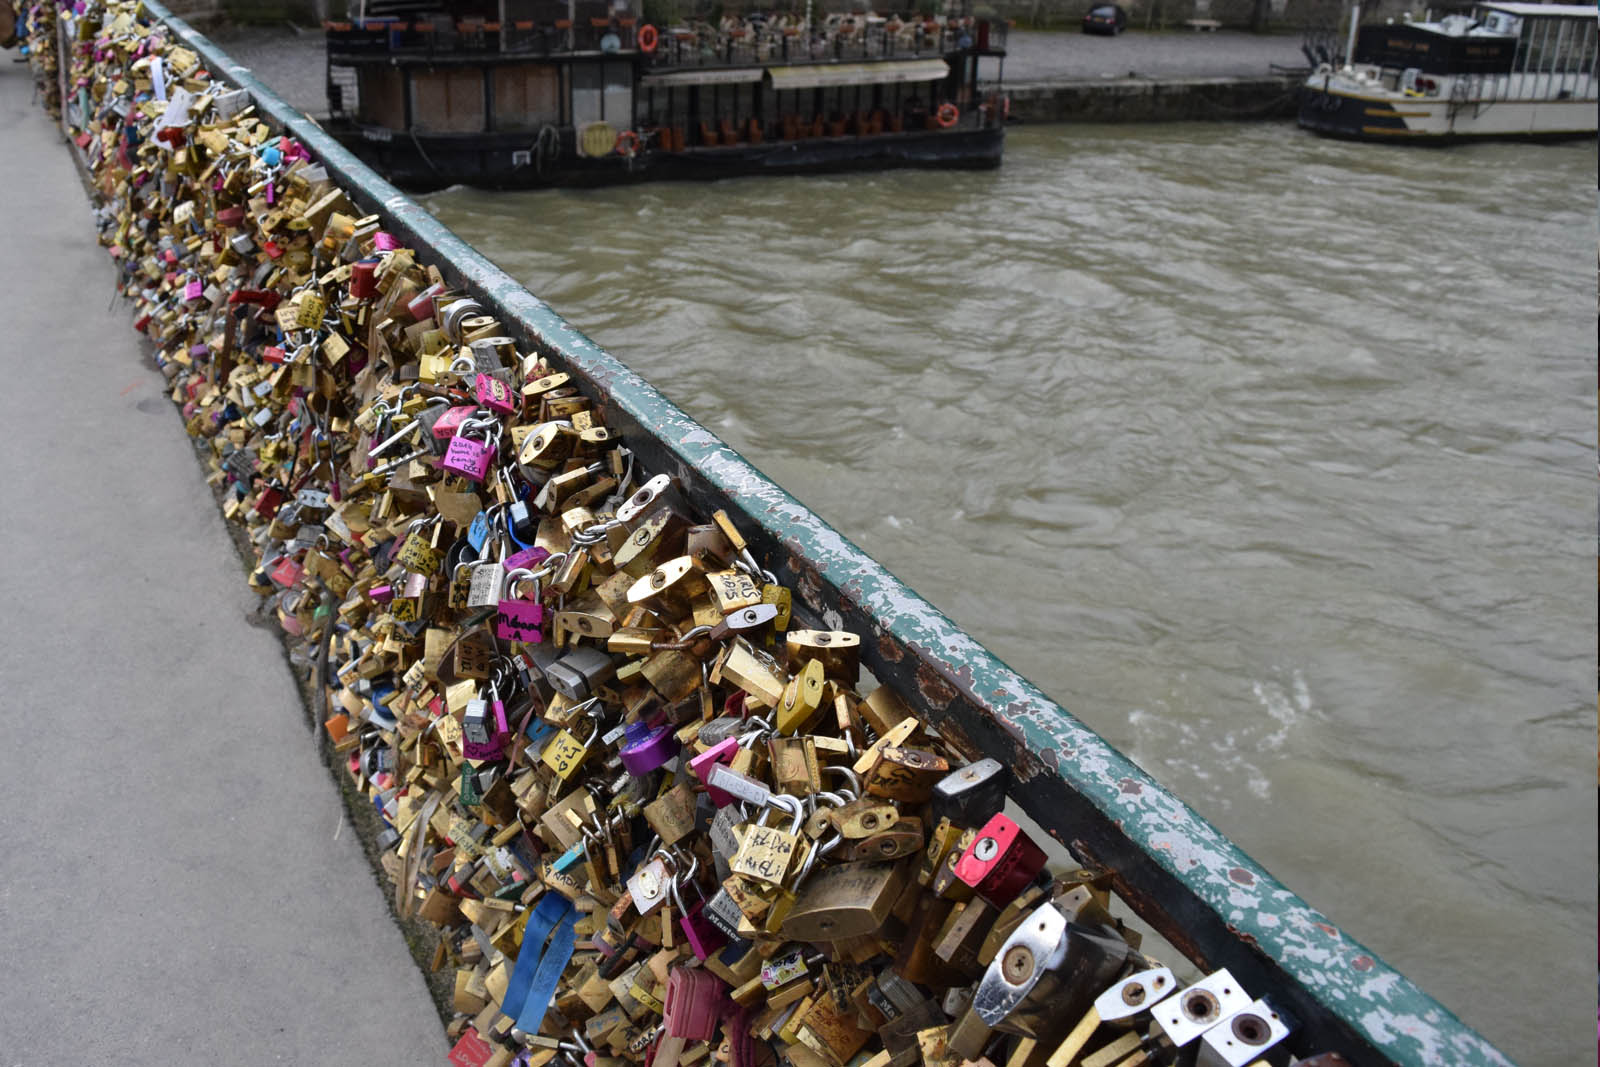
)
(1271, 458)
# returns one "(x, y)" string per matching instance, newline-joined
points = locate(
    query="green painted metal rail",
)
(1172, 867)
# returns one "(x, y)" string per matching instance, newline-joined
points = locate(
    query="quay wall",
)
(1156, 99)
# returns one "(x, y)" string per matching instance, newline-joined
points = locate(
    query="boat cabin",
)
(545, 82)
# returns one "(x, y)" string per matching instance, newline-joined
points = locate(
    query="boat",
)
(534, 93)
(1496, 71)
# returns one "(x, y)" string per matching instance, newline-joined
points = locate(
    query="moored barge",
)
(534, 93)
(1501, 70)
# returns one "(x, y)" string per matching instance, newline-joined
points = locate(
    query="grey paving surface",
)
(1038, 58)
(176, 886)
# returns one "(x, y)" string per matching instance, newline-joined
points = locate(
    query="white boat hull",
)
(1355, 104)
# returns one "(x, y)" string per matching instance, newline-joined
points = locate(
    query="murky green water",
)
(1272, 458)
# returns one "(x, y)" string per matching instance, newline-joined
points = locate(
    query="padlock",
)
(1000, 861)
(845, 900)
(1179, 1020)
(1126, 1003)
(650, 884)
(692, 1003)
(517, 619)
(494, 394)
(1244, 1037)
(701, 934)
(446, 424)
(907, 775)
(766, 852)
(471, 458)
(580, 672)
(487, 581)
(645, 749)
(565, 754)
(971, 795)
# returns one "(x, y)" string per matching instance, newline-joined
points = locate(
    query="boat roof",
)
(1545, 10)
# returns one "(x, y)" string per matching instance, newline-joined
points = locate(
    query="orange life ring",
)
(947, 115)
(627, 143)
(648, 38)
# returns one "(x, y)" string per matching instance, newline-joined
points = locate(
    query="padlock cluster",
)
(654, 818)
(38, 24)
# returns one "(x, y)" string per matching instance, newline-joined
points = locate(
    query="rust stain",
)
(934, 689)
(1362, 963)
(890, 649)
(1244, 937)
(1329, 930)
(1129, 787)
(1240, 876)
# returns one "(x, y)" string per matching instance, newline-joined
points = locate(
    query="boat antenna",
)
(1350, 45)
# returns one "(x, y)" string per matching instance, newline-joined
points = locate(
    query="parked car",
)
(1109, 19)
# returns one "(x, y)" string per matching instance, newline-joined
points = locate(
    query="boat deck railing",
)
(674, 48)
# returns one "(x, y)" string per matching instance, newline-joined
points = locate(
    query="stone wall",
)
(1153, 100)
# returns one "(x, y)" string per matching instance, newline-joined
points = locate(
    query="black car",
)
(1109, 19)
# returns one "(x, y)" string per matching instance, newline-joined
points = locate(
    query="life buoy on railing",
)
(649, 37)
(627, 143)
(947, 115)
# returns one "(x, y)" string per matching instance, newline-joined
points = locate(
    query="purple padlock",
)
(519, 620)
(471, 458)
(645, 749)
(527, 559)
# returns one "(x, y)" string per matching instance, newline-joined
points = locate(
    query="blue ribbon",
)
(551, 909)
(551, 965)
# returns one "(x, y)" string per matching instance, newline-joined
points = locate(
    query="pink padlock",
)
(516, 619)
(721, 752)
(692, 1004)
(384, 242)
(495, 395)
(471, 458)
(193, 290)
(451, 421)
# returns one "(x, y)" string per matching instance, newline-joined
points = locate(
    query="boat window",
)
(382, 96)
(526, 97)
(618, 100)
(586, 94)
(447, 101)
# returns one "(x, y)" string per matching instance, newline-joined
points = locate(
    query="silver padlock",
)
(580, 672)
(1245, 1036)
(1182, 1018)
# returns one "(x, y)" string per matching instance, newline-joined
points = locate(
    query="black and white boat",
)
(1500, 70)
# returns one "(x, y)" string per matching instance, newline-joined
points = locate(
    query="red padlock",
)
(693, 1004)
(1001, 861)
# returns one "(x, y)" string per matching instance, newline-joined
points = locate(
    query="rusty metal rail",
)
(1172, 867)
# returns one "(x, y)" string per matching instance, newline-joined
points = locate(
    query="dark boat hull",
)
(495, 161)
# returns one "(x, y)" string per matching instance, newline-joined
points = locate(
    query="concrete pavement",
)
(178, 882)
